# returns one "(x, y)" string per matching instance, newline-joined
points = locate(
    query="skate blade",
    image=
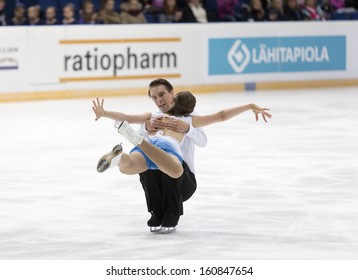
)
(155, 229)
(166, 230)
(105, 162)
(102, 165)
(118, 124)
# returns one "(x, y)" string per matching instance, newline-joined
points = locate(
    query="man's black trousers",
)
(165, 195)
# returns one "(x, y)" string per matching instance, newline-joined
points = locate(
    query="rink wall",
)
(111, 60)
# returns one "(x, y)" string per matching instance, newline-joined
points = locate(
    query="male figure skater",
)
(165, 195)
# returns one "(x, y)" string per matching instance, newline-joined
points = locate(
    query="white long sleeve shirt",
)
(195, 136)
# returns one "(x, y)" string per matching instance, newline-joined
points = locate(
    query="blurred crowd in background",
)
(59, 12)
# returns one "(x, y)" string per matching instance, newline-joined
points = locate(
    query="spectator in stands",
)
(276, 11)
(312, 11)
(157, 6)
(50, 16)
(351, 4)
(171, 12)
(2, 13)
(181, 4)
(153, 8)
(87, 14)
(69, 14)
(337, 4)
(147, 4)
(108, 14)
(256, 12)
(326, 8)
(292, 11)
(132, 12)
(300, 3)
(19, 15)
(194, 12)
(227, 10)
(33, 15)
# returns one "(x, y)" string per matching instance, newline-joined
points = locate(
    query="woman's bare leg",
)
(133, 163)
(167, 163)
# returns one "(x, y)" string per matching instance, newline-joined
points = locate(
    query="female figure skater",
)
(161, 151)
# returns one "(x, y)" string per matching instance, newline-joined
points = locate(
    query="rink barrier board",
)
(111, 78)
(109, 60)
(196, 89)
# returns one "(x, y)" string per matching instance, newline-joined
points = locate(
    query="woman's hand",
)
(98, 108)
(257, 111)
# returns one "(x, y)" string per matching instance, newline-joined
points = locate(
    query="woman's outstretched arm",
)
(223, 115)
(99, 111)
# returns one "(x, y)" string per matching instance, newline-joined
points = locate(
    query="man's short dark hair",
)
(159, 82)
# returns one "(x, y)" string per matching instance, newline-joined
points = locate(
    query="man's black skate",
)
(169, 223)
(109, 159)
(170, 220)
(155, 223)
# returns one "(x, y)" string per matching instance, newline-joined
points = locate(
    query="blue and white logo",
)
(238, 56)
(276, 54)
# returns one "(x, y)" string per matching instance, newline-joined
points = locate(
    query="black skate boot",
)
(155, 222)
(169, 223)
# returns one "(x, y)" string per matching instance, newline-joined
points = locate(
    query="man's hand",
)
(98, 108)
(177, 125)
(154, 124)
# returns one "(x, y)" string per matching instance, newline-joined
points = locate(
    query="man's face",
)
(161, 97)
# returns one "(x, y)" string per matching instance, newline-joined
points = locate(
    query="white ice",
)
(282, 190)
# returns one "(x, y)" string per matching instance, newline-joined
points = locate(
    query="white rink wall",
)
(50, 62)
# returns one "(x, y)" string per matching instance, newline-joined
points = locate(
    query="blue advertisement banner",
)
(276, 54)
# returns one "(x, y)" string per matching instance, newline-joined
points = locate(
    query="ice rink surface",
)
(287, 189)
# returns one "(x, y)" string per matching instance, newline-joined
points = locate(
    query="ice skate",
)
(155, 223)
(155, 229)
(110, 159)
(127, 132)
(168, 224)
(166, 230)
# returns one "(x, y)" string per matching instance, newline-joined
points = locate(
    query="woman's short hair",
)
(184, 104)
